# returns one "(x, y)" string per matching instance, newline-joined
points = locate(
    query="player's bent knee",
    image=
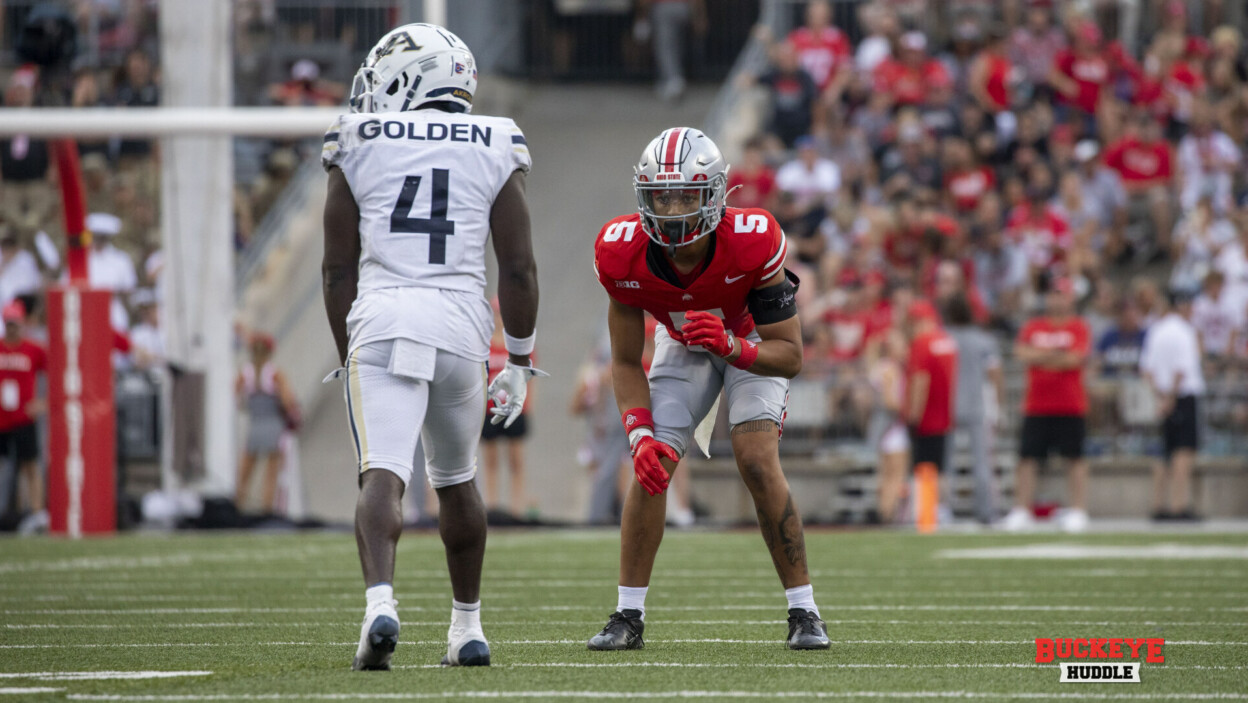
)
(397, 468)
(676, 440)
(440, 478)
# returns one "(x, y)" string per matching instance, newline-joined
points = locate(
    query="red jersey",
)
(821, 53)
(1137, 162)
(1055, 392)
(847, 333)
(1044, 239)
(754, 187)
(909, 84)
(997, 82)
(747, 249)
(936, 354)
(1090, 72)
(19, 363)
(967, 187)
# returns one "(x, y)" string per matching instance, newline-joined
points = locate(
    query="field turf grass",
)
(275, 617)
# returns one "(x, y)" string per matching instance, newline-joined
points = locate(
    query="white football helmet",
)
(412, 66)
(681, 159)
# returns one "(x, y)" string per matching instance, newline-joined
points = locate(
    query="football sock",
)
(466, 615)
(633, 599)
(379, 593)
(802, 597)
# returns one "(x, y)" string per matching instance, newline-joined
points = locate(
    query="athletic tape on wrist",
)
(638, 423)
(520, 346)
(749, 352)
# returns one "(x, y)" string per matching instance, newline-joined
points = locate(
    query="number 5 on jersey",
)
(437, 226)
(620, 229)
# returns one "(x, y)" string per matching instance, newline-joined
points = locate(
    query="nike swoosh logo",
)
(733, 280)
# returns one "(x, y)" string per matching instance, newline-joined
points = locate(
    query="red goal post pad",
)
(82, 484)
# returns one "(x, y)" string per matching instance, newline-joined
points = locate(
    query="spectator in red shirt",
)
(823, 50)
(1054, 347)
(931, 375)
(966, 180)
(21, 360)
(752, 182)
(1041, 232)
(910, 77)
(1080, 73)
(1145, 162)
(989, 80)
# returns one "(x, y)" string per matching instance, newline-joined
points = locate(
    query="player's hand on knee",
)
(508, 391)
(706, 330)
(650, 472)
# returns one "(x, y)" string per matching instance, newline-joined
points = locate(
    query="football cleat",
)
(806, 630)
(466, 647)
(378, 636)
(623, 631)
(1019, 519)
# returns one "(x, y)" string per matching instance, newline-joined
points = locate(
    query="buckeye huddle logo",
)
(1103, 659)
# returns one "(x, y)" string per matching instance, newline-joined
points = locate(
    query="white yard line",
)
(839, 665)
(595, 622)
(1168, 551)
(100, 675)
(686, 608)
(701, 640)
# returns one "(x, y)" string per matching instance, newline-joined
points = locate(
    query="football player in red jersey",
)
(714, 278)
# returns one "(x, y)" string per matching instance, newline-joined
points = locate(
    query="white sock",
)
(802, 597)
(466, 615)
(379, 593)
(633, 599)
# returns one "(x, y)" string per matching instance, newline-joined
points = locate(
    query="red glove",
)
(706, 330)
(650, 473)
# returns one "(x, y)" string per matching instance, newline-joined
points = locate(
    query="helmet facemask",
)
(680, 222)
(362, 87)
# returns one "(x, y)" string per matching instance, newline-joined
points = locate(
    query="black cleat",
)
(806, 630)
(623, 631)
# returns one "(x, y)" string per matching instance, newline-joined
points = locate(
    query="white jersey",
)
(425, 182)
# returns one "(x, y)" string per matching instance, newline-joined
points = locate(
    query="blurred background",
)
(910, 148)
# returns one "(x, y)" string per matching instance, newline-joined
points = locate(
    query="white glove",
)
(508, 390)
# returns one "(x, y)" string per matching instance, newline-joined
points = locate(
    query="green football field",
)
(276, 617)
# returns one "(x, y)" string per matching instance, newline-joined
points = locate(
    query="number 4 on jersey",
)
(436, 225)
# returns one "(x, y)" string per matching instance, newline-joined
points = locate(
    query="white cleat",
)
(1073, 520)
(378, 636)
(1017, 520)
(35, 523)
(466, 647)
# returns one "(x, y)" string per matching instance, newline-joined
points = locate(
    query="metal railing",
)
(830, 406)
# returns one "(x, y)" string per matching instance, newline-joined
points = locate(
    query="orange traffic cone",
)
(926, 497)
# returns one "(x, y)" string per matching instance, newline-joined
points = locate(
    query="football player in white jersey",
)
(416, 186)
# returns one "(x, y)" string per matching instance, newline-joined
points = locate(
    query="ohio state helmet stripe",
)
(671, 150)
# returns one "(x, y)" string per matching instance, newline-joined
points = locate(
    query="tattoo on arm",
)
(755, 426)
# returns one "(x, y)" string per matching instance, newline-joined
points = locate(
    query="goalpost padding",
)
(82, 483)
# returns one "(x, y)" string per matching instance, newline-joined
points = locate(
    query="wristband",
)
(638, 423)
(520, 346)
(749, 352)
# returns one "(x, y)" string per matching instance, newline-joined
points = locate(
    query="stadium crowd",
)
(1014, 151)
